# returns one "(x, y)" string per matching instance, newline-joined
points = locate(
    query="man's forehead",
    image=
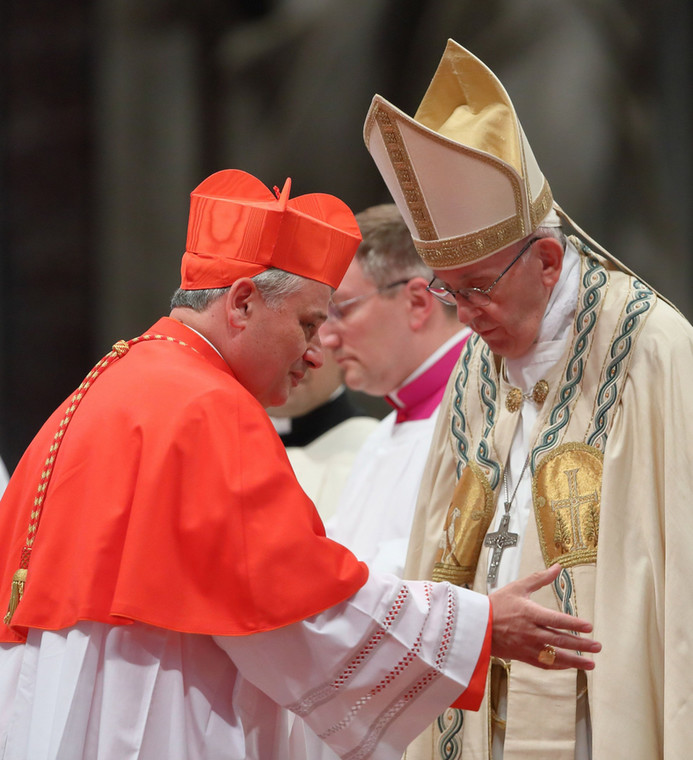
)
(311, 299)
(355, 270)
(355, 280)
(314, 308)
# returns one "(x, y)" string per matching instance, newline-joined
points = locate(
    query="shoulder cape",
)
(172, 502)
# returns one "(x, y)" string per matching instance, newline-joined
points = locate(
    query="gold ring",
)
(547, 655)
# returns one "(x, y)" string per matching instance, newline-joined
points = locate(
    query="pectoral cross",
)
(500, 540)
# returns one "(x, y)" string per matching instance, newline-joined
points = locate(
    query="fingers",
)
(564, 659)
(552, 657)
(547, 618)
(522, 628)
(552, 618)
(551, 650)
(562, 632)
(569, 650)
(541, 578)
(572, 641)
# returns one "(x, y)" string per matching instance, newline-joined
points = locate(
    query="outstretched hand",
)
(522, 628)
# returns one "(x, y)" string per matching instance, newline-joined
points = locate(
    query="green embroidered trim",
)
(489, 396)
(594, 281)
(641, 301)
(450, 739)
(458, 423)
(563, 586)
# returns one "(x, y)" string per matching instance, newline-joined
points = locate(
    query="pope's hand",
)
(524, 630)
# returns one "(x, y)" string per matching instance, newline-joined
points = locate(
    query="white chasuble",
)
(606, 467)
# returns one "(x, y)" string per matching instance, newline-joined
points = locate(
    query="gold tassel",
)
(18, 582)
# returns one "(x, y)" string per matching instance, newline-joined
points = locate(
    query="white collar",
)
(555, 328)
(203, 338)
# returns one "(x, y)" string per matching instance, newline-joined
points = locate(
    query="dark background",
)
(111, 112)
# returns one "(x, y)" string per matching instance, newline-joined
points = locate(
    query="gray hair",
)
(276, 284)
(198, 300)
(387, 251)
(550, 232)
(273, 284)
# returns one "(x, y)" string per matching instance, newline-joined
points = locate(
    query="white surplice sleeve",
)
(375, 669)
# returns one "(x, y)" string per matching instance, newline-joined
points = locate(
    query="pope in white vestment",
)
(572, 451)
(623, 575)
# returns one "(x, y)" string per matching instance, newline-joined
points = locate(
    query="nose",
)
(314, 354)
(328, 334)
(466, 312)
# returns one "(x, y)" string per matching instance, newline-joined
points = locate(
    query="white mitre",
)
(461, 171)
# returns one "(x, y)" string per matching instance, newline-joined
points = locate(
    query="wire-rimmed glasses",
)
(474, 296)
(339, 310)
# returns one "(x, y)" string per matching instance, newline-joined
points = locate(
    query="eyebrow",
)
(474, 278)
(317, 316)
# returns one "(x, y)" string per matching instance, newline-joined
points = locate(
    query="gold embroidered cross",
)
(573, 503)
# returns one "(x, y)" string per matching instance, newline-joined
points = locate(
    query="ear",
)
(241, 302)
(550, 254)
(419, 302)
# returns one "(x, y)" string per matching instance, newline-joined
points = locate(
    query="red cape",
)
(172, 502)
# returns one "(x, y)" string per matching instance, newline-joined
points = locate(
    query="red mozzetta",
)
(171, 502)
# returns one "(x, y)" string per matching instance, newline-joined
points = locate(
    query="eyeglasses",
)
(340, 310)
(473, 296)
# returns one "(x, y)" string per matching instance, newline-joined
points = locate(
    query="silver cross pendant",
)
(499, 540)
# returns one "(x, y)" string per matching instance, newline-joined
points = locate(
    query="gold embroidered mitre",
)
(461, 171)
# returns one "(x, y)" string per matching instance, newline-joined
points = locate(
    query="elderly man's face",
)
(282, 343)
(510, 323)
